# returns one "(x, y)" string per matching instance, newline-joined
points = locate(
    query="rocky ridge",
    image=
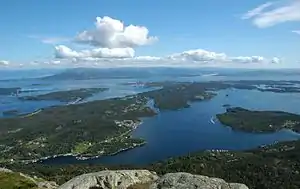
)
(119, 179)
(144, 179)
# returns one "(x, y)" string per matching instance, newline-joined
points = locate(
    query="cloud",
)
(198, 55)
(49, 40)
(257, 10)
(275, 60)
(248, 59)
(296, 32)
(203, 56)
(4, 63)
(62, 52)
(277, 13)
(147, 58)
(111, 33)
(110, 39)
(54, 62)
(112, 44)
(125, 56)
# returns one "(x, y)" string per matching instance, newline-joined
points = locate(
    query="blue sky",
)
(206, 32)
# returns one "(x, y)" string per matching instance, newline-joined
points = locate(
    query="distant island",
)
(66, 96)
(10, 112)
(259, 121)
(121, 73)
(9, 91)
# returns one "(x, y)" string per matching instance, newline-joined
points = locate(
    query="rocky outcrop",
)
(127, 179)
(144, 179)
(46, 185)
(110, 179)
(189, 181)
(4, 170)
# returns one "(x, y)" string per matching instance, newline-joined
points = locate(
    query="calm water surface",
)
(171, 133)
(174, 133)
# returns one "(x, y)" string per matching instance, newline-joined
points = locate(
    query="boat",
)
(212, 120)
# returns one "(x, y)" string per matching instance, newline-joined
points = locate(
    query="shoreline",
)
(81, 158)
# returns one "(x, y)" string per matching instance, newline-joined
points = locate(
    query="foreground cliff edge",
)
(119, 179)
(13, 180)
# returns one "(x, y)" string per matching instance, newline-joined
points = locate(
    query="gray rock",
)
(110, 179)
(5, 170)
(47, 185)
(189, 181)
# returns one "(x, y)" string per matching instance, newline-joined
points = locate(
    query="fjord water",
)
(171, 133)
(175, 133)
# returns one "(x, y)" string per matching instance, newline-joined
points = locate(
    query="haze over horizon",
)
(223, 34)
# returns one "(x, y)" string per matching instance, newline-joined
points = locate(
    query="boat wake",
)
(212, 120)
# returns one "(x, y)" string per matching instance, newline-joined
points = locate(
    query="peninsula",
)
(259, 121)
(66, 96)
(89, 129)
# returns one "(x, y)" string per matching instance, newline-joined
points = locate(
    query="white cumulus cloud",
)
(275, 60)
(4, 62)
(276, 13)
(147, 58)
(53, 62)
(248, 59)
(111, 33)
(198, 55)
(62, 52)
(121, 56)
(204, 56)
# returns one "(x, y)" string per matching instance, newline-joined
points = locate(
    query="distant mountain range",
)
(117, 73)
(127, 73)
(135, 72)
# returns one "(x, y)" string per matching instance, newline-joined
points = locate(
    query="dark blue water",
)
(174, 133)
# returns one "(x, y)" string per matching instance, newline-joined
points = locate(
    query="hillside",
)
(15, 180)
(274, 166)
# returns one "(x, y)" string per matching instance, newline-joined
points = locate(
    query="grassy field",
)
(15, 181)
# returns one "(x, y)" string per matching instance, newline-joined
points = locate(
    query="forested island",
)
(259, 121)
(174, 96)
(66, 96)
